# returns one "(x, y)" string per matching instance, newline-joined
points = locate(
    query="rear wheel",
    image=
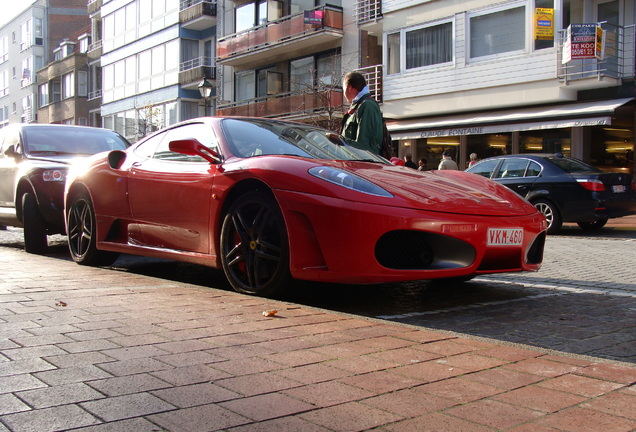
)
(254, 248)
(82, 234)
(592, 226)
(35, 240)
(551, 213)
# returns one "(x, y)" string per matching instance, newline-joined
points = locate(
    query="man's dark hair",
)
(355, 80)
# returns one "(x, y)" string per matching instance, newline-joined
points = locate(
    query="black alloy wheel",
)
(551, 213)
(254, 248)
(82, 235)
(35, 240)
(592, 226)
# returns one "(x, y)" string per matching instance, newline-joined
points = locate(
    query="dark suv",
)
(34, 161)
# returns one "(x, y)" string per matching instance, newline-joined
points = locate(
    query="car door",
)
(518, 174)
(8, 169)
(170, 194)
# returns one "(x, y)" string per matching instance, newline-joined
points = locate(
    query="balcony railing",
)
(194, 69)
(93, 6)
(191, 10)
(617, 63)
(365, 11)
(291, 104)
(373, 76)
(283, 30)
(97, 94)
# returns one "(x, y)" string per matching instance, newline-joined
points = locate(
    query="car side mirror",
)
(192, 147)
(10, 152)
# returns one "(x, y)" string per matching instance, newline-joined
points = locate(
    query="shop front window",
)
(554, 141)
(486, 146)
(431, 149)
(612, 148)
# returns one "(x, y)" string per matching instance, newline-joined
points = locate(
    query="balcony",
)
(367, 15)
(197, 14)
(296, 106)
(94, 6)
(282, 39)
(616, 64)
(192, 71)
(94, 51)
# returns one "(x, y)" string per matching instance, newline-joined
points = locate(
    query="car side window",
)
(534, 169)
(485, 168)
(512, 167)
(147, 148)
(199, 131)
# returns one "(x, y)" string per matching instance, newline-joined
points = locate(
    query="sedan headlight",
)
(54, 175)
(348, 180)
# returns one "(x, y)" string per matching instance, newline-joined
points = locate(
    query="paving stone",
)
(127, 406)
(49, 419)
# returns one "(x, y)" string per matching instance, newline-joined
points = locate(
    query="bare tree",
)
(149, 119)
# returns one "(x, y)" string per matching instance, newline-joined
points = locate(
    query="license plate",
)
(505, 237)
(619, 188)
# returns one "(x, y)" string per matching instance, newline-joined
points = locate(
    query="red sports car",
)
(270, 202)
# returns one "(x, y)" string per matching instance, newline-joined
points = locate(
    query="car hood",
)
(62, 160)
(446, 191)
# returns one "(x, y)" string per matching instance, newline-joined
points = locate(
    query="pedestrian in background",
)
(422, 163)
(447, 162)
(408, 162)
(473, 159)
(362, 123)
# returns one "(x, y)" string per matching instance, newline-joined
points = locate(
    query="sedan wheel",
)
(35, 240)
(591, 226)
(551, 214)
(81, 235)
(254, 249)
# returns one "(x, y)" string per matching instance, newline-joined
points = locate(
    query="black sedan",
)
(34, 161)
(564, 189)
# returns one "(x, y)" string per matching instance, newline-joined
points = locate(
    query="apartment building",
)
(511, 76)
(148, 58)
(27, 43)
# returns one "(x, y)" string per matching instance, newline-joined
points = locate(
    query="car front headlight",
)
(54, 175)
(348, 180)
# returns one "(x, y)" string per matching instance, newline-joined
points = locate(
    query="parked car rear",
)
(34, 161)
(564, 189)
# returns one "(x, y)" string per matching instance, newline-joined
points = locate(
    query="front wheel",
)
(592, 226)
(551, 213)
(35, 240)
(254, 248)
(82, 239)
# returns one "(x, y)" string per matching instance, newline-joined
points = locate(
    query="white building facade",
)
(495, 78)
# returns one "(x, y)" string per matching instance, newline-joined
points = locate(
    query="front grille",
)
(416, 250)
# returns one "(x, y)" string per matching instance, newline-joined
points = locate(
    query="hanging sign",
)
(543, 24)
(583, 41)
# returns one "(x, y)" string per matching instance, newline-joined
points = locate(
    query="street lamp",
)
(205, 88)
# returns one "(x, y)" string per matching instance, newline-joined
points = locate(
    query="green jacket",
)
(362, 125)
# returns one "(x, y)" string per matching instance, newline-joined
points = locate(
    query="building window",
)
(68, 85)
(43, 95)
(320, 70)
(4, 83)
(245, 87)
(430, 45)
(25, 35)
(27, 71)
(56, 91)
(37, 31)
(4, 49)
(423, 46)
(82, 83)
(498, 32)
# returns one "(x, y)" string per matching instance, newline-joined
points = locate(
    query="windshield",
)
(252, 137)
(57, 140)
(571, 166)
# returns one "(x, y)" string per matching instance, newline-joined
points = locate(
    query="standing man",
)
(408, 161)
(362, 123)
(447, 162)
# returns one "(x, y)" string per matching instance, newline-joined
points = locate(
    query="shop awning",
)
(549, 117)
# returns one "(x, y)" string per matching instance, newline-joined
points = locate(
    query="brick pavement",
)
(97, 350)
